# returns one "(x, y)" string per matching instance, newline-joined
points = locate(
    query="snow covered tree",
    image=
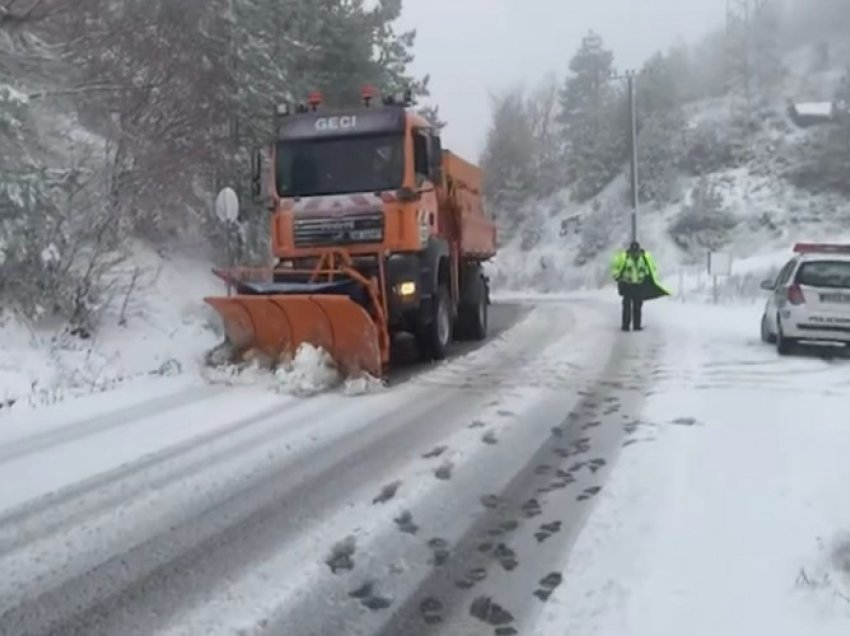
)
(704, 223)
(593, 119)
(542, 112)
(660, 128)
(659, 152)
(508, 161)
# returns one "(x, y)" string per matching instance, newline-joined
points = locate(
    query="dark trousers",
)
(632, 312)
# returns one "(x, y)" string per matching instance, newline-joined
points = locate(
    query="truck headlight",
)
(407, 288)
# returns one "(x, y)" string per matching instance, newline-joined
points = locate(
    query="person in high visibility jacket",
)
(636, 275)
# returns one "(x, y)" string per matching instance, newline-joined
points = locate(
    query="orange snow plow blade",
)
(278, 324)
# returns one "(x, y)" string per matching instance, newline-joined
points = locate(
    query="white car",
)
(810, 299)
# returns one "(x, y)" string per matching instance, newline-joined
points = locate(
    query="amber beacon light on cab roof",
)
(376, 231)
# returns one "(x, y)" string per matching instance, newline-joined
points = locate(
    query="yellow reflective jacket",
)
(626, 268)
(640, 272)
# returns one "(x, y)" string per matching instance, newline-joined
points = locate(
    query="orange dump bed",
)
(477, 232)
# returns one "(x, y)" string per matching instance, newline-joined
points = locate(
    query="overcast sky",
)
(474, 47)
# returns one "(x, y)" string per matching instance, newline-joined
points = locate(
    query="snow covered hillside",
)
(755, 210)
(158, 324)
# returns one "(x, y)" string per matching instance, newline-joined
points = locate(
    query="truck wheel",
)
(435, 336)
(473, 316)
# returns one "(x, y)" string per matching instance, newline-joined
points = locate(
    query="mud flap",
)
(277, 325)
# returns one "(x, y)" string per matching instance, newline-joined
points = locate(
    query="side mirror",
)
(767, 285)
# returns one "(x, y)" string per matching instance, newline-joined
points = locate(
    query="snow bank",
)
(158, 325)
(726, 512)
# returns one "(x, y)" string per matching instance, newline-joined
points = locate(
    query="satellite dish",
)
(227, 205)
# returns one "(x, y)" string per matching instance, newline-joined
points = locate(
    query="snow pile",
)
(727, 510)
(311, 371)
(364, 384)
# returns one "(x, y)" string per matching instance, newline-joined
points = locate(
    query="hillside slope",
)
(564, 245)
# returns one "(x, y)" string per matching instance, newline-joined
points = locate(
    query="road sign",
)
(719, 264)
(227, 205)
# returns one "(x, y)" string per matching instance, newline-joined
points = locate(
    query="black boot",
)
(627, 313)
(637, 314)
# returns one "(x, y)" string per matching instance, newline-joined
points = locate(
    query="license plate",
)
(829, 321)
(835, 298)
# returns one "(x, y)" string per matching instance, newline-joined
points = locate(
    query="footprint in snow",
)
(591, 424)
(510, 525)
(548, 585)
(543, 469)
(485, 610)
(387, 492)
(506, 557)
(685, 421)
(431, 610)
(341, 556)
(440, 551)
(477, 424)
(444, 472)
(367, 597)
(596, 464)
(490, 438)
(505, 413)
(436, 452)
(491, 501)
(531, 508)
(557, 431)
(547, 530)
(563, 452)
(472, 578)
(589, 492)
(405, 523)
(506, 631)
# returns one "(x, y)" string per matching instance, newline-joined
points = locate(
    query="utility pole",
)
(631, 81)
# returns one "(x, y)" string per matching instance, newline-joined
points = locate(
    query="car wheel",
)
(766, 336)
(784, 346)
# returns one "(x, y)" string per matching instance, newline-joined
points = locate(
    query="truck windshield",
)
(835, 274)
(341, 165)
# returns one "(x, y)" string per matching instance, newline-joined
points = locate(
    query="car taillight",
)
(795, 295)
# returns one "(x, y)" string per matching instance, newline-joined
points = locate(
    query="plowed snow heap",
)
(375, 230)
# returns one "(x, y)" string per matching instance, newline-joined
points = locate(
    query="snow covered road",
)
(443, 501)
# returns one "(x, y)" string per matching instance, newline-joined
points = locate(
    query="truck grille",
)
(339, 230)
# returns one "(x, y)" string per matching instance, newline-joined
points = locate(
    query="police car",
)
(810, 299)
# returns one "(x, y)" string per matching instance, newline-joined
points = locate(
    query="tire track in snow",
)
(108, 421)
(166, 571)
(169, 569)
(49, 514)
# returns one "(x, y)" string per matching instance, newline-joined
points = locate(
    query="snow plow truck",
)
(375, 231)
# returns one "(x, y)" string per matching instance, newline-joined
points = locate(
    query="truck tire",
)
(473, 316)
(436, 334)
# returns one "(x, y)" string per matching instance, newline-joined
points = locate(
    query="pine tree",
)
(508, 161)
(593, 119)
